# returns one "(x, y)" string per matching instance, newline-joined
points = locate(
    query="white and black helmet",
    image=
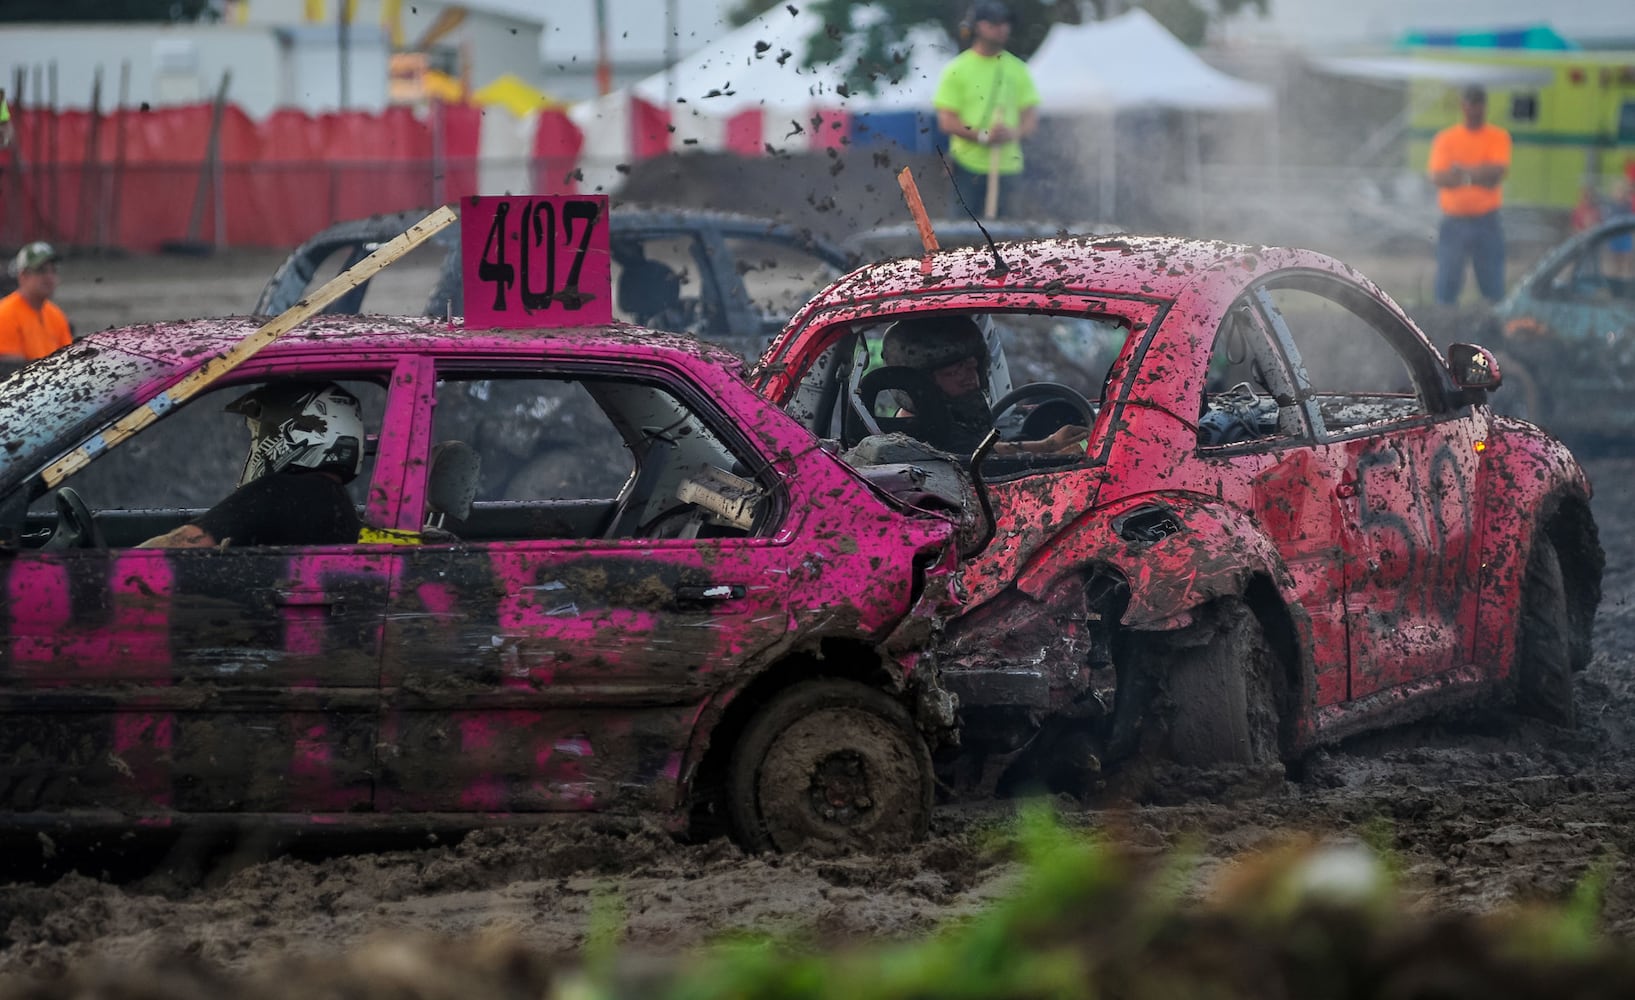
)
(307, 425)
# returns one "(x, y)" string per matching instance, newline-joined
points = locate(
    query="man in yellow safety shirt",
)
(986, 103)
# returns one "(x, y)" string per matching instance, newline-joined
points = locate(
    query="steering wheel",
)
(1047, 391)
(76, 529)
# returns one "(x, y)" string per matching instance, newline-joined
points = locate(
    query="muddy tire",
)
(1544, 646)
(830, 767)
(1222, 706)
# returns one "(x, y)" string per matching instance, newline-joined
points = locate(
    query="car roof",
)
(1160, 267)
(181, 343)
(968, 232)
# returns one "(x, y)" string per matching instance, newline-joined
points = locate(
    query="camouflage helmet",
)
(931, 342)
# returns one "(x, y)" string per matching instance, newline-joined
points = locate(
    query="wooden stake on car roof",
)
(196, 380)
(916, 208)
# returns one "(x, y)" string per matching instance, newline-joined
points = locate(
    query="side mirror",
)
(1474, 367)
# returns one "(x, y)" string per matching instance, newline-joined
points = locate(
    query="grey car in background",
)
(733, 279)
(1568, 345)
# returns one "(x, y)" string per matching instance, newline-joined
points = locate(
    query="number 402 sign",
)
(535, 261)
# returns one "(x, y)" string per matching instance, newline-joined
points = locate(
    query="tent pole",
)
(671, 55)
(1195, 163)
(1109, 169)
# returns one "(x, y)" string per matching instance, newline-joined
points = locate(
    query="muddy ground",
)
(1478, 813)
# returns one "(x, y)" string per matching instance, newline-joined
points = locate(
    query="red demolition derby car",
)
(1292, 519)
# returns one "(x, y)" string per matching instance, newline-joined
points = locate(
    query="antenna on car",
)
(999, 264)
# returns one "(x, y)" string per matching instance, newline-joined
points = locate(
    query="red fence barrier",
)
(140, 179)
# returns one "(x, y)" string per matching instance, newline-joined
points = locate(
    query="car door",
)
(1401, 457)
(554, 652)
(149, 680)
(1256, 433)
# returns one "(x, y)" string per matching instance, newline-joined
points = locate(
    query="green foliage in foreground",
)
(1088, 920)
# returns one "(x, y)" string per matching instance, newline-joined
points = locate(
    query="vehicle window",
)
(1250, 396)
(1602, 271)
(778, 277)
(399, 290)
(937, 377)
(187, 468)
(663, 282)
(189, 461)
(588, 458)
(1355, 372)
(1032, 347)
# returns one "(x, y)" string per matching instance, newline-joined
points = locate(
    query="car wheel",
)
(830, 766)
(1544, 648)
(1222, 706)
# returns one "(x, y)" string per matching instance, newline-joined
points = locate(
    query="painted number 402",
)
(535, 261)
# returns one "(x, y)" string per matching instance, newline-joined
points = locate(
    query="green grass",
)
(1089, 920)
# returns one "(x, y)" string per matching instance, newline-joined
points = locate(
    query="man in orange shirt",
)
(1468, 162)
(31, 325)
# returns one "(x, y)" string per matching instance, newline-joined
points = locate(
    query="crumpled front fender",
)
(1177, 551)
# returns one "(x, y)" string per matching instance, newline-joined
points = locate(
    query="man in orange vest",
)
(31, 325)
(1467, 164)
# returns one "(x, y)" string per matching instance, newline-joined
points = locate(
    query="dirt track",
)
(1477, 813)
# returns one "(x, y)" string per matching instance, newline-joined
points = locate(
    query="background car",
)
(732, 279)
(1569, 326)
(639, 586)
(1292, 519)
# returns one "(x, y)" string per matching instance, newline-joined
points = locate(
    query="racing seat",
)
(860, 419)
(456, 469)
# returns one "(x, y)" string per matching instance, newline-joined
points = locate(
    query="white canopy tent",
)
(1405, 69)
(757, 67)
(1132, 62)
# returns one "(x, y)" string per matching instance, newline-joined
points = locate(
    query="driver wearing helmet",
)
(951, 351)
(306, 444)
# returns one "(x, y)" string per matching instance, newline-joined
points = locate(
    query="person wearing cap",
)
(31, 325)
(987, 104)
(1468, 162)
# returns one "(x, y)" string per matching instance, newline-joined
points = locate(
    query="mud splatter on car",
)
(1291, 520)
(596, 572)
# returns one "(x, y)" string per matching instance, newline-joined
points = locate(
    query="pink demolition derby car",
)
(595, 571)
(1292, 519)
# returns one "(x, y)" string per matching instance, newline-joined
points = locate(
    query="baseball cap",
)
(36, 254)
(991, 11)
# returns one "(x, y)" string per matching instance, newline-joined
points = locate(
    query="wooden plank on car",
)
(216, 367)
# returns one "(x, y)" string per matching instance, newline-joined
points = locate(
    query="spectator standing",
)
(987, 104)
(1468, 162)
(31, 325)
